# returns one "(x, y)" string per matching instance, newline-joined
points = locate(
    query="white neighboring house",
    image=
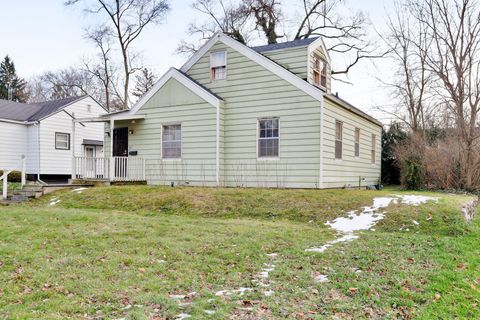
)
(42, 132)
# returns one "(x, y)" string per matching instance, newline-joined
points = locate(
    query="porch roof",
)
(125, 115)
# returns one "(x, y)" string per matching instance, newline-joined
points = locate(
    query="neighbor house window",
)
(338, 139)
(62, 141)
(218, 65)
(373, 152)
(357, 142)
(268, 138)
(320, 72)
(172, 141)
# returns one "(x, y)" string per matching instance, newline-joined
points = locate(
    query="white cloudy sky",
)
(44, 35)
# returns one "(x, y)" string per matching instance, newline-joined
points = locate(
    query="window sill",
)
(268, 159)
(172, 159)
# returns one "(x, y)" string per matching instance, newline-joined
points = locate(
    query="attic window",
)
(320, 72)
(218, 65)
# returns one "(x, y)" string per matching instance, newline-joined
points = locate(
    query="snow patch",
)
(321, 278)
(54, 201)
(182, 316)
(415, 200)
(79, 190)
(209, 312)
(268, 293)
(239, 291)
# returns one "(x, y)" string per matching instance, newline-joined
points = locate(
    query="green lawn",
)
(127, 252)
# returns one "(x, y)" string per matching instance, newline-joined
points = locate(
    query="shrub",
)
(14, 176)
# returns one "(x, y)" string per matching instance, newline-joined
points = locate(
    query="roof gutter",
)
(18, 122)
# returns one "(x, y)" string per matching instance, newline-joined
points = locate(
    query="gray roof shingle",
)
(27, 112)
(285, 45)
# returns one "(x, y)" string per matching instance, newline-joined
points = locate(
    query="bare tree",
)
(228, 18)
(346, 35)
(454, 29)
(413, 82)
(267, 14)
(127, 20)
(145, 81)
(103, 69)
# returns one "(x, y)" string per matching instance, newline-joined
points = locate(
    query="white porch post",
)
(24, 169)
(74, 169)
(112, 160)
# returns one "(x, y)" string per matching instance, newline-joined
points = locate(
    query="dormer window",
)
(218, 65)
(320, 72)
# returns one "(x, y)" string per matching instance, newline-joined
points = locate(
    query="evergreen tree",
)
(145, 82)
(12, 87)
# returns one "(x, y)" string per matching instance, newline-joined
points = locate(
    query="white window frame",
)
(68, 141)
(259, 158)
(212, 67)
(336, 140)
(181, 141)
(317, 59)
(356, 144)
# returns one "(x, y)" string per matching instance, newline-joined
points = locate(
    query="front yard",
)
(143, 252)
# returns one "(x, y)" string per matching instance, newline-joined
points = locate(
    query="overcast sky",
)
(44, 35)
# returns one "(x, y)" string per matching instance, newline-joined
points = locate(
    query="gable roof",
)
(30, 112)
(265, 62)
(185, 80)
(285, 45)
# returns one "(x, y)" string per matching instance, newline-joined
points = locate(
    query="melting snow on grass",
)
(54, 201)
(79, 190)
(365, 220)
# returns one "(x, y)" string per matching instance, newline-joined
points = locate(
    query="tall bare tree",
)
(413, 81)
(454, 29)
(126, 21)
(103, 68)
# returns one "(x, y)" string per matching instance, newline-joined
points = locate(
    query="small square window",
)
(218, 65)
(62, 141)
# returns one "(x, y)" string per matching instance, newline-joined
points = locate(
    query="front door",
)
(120, 142)
(90, 162)
(120, 151)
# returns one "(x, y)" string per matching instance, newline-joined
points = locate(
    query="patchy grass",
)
(119, 252)
(12, 186)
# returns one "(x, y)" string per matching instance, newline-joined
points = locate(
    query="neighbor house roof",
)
(285, 45)
(30, 112)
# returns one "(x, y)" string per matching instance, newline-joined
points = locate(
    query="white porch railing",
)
(4, 178)
(112, 169)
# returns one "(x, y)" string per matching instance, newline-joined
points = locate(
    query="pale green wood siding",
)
(176, 104)
(293, 59)
(251, 92)
(339, 173)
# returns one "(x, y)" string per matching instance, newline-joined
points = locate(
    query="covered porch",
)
(117, 163)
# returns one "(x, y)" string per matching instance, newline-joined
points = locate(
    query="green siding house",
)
(242, 117)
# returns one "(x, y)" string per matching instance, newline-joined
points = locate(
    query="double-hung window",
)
(373, 151)
(62, 141)
(357, 142)
(172, 141)
(268, 138)
(218, 65)
(338, 139)
(320, 72)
